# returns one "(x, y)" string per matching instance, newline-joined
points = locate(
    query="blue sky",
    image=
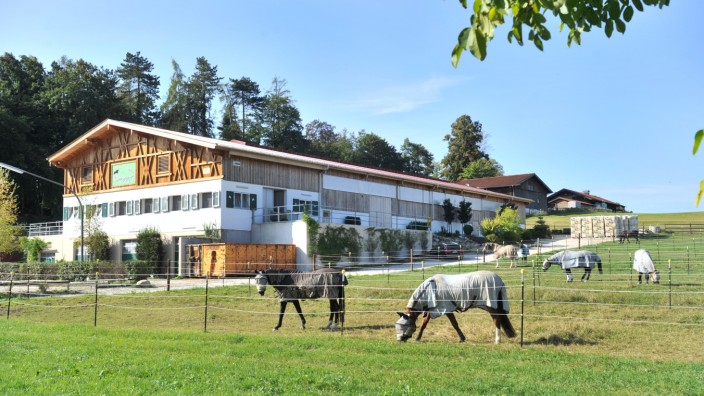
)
(613, 116)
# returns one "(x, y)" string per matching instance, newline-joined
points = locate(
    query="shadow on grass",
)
(557, 340)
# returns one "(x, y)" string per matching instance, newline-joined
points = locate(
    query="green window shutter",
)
(104, 210)
(65, 214)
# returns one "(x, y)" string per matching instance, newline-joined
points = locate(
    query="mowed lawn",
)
(607, 336)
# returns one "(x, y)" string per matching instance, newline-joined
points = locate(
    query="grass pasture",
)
(607, 336)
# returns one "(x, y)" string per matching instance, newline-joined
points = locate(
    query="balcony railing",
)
(44, 229)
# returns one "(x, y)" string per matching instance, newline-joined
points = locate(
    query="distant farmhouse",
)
(568, 199)
(134, 177)
(527, 185)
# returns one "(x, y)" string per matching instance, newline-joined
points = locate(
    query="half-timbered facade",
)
(133, 177)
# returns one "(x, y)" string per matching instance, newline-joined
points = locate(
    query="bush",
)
(467, 229)
(75, 270)
(150, 248)
(138, 269)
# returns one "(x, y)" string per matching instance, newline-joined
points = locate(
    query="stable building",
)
(190, 188)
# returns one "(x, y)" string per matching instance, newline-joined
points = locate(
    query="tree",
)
(8, 213)
(577, 15)
(448, 213)
(149, 248)
(246, 96)
(174, 110)
(504, 228)
(33, 248)
(697, 141)
(464, 213)
(372, 150)
(321, 137)
(138, 89)
(465, 144)
(483, 167)
(280, 119)
(201, 89)
(416, 159)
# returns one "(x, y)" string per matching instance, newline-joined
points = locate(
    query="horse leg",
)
(497, 324)
(453, 320)
(297, 305)
(569, 275)
(426, 319)
(282, 309)
(587, 272)
(334, 314)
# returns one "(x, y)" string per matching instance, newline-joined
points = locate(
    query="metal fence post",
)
(523, 293)
(95, 309)
(205, 319)
(9, 295)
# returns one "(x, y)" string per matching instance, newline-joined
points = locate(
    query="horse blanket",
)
(523, 251)
(308, 285)
(575, 259)
(442, 294)
(642, 262)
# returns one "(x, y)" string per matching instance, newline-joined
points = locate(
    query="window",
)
(147, 205)
(194, 201)
(206, 200)
(121, 208)
(164, 204)
(129, 250)
(237, 200)
(86, 175)
(302, 206)
(48, 257)
(216, 199)
(175, 202)
(163, 164)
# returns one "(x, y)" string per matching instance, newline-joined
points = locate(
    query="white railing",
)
(44, 229)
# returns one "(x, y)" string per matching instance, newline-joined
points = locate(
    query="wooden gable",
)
(125, 158)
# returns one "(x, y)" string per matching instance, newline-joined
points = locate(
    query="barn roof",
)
(82, 143)
(503, 181)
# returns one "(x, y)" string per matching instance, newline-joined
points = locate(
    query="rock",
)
(144, 283)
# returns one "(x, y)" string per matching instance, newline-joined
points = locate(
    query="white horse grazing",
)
(506, 251)
(643, 263)
(569, 259)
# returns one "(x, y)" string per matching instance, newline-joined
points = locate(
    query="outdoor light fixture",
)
(22, 171)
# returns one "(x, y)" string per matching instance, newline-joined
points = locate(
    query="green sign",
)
(123, 174)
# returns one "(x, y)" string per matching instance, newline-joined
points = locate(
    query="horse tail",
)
(504, 321)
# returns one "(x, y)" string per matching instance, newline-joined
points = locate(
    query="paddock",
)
(596, 317)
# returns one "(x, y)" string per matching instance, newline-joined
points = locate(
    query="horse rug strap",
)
(312, 285)
(442, 294)
(642, 262)
(575, 259)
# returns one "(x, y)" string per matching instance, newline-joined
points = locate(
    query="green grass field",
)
(607, 336)
(560, 220)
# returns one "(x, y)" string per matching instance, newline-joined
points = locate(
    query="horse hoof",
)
(462, 340)
(274, 329)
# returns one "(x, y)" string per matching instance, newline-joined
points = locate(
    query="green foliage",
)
(409, 240)
(416, 159)
(313, 230)
(504, 228)
(211, 231)
(138, 89)
(8, 213)
(464, 215)
(540, 229)
(577, 15)
(483, 167)
(139, 269)
(467, 229)
(33, 247)
(335, 242)
(464, 145)
(391, 241)
(98, 243)
(150, 247)
(448, 213)
(697, 141)
(371, 243)
(76, 270)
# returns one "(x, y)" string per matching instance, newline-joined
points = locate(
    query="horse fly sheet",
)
(442, 294)
(642, 262)
(575, 259)
(309, 285)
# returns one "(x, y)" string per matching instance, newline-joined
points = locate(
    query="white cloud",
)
(404, 98)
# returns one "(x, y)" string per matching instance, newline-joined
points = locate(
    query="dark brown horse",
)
(445, 294)
(295, 286)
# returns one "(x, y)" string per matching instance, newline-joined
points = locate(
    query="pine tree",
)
(138, 89)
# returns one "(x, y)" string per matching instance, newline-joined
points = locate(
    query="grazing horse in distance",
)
(627, 235)
(445, 294)
(569, 259)
(643, 263)
(295, 286)
(502, 251)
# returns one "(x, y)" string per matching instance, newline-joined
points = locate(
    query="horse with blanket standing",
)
(643, 263)
(445, 294)
(295, 286)
(569, 259)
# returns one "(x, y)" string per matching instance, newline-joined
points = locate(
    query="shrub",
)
(150, 247)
